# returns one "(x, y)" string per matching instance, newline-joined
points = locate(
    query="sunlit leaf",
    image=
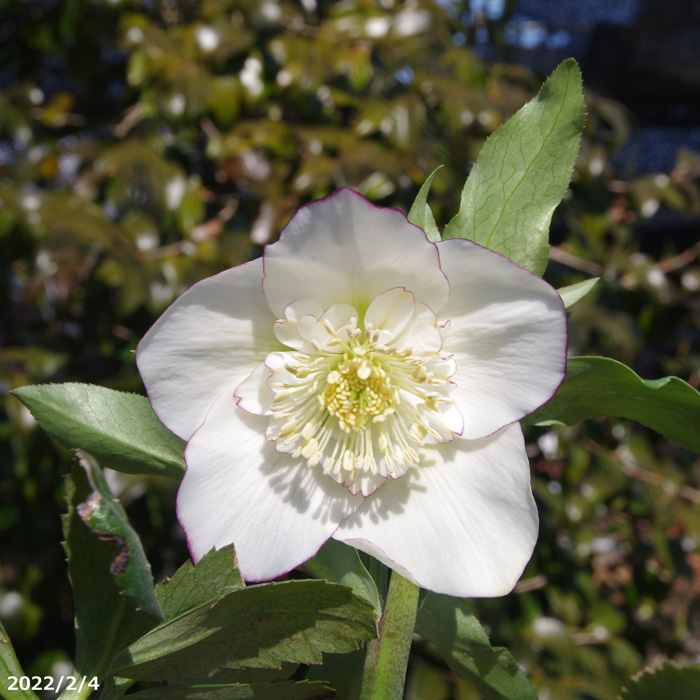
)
(120, 430)
(522, 173)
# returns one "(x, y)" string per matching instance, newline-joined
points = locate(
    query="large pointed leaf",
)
(522, 172)
(255, 627)
(599, 386)
(465, 646)
(115, 601)
(119, 429)
(337, 561)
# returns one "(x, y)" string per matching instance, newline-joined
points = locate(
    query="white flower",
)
(361, 383)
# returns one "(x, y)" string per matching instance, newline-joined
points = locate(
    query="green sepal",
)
(421, 213)
(575, 292)
(465, 646)
(115, 601)
(119, 429)
(522, 172)
(599, 386)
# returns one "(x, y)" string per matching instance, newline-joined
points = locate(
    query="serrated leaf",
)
(575, 292)
(119, 429)
(668, 681)
(115, 601)
(522, 173)
(191, 586)
(341, 563)
(255, 627)
(465, 646)
(421, 213)
(302, 690)
(599, 386)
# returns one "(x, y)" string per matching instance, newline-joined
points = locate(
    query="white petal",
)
(204, 345)
(275, 510)
(464, 523)
(507, 333)
(302, 307)
(344, 249)
(390, 313)
(254, 394)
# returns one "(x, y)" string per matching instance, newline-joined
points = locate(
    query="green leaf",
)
(115, 602)
(667, 681)
(255, 627)
(599, 386)
(341, 563)
(240, 691)
(191, 586)
(421, 214)
(522, 172)
(10, 666)
(574, 292)
(120, 430)
(465, 646)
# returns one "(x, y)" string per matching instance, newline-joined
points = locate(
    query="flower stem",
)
(387, 656)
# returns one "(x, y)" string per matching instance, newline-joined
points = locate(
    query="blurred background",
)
(146, 144)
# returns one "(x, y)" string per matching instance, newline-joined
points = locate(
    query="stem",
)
(387, 656)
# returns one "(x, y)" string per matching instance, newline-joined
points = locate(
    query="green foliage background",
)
(156, 143)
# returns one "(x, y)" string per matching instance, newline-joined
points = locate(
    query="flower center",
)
(358, 390)
(361, 401)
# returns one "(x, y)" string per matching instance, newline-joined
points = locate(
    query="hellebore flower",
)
(361, 383)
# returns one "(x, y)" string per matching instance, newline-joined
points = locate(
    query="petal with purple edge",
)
(345, 249)
(204, 345)
(237, 488)
(464, 523)
(507, 335)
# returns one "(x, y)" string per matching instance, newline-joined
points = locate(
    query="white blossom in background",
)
(361, 383)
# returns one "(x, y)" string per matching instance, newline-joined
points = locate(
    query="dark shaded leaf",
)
(668, 681)
(115, 601)
(255, 627)
(240, 691)
(341, 563)
(10, 666)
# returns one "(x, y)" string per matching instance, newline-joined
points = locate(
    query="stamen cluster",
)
(352, 403)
